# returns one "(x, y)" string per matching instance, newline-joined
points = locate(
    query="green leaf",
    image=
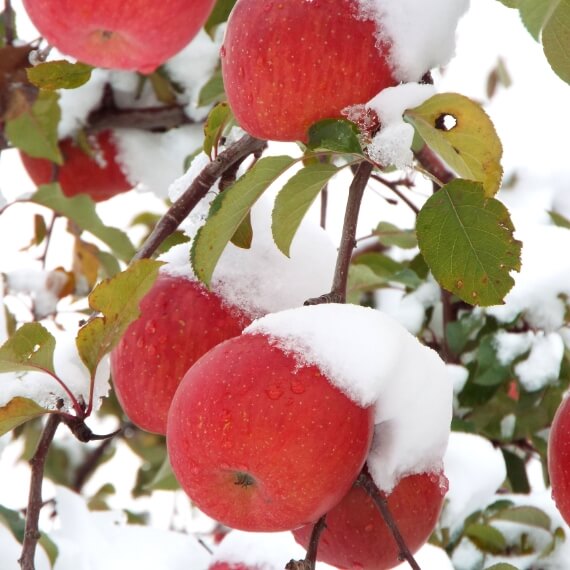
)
(360, 280)
(486, 537)
(530, 516)
(391, 235)
(35, 130)
(214, 126)
(295, 199)
(502, 566)
(14, 521)
(489, 371)
(50, 547)
(467, 241)
(470, 147)
(388, 269)
(338, 135)
(535, 14)
(29, 348)
(213, 90)
(559, 219)
(164, 479)
(516, 472)
(244, 234)
(118, 299)
(60, 74)
(18, 411)
(81, 209)
(219, 14)
(228, 211)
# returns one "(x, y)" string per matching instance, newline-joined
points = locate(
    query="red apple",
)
(291, 63)
(180, 321)
(119, 34)
(259, 442)
(559, 459)
(356, 535)
(98, 176)
(231, 566)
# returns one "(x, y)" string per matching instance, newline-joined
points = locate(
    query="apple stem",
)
(199, 187)
(35, 501)
(379, 499)
(311, 557)
(348, 240)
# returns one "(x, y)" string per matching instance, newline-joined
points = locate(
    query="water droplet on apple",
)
(150, 327)
(274, 392)
(223, 51)
(140, 343)
(241, 71)
(297, 387)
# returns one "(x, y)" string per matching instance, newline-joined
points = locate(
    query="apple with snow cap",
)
(269, 430)
(559, 459)
(137, 36)
(289, 64)
(356, 535)
(181, 319)
(97, 175)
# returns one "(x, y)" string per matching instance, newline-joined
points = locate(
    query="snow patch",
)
(374, 361)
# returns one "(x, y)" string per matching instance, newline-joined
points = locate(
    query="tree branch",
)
(311, 557)
(9, 28)
(35, 501)
(87, 468)
(196, 191)
(394, 187)
(348, 240)
(379, 499)
(433, 165)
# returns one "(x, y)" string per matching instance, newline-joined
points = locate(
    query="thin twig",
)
(324, 204)
(434, 166)
(88, 467)
(348, 240)
(35, 501)
(196, 191)
(379, 499)
(9, 23)
(393, 186)
(311, 557)
(49, 231)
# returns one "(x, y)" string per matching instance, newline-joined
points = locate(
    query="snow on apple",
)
(375, 361)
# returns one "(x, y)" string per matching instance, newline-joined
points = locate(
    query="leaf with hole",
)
(118, 300)
(469, 145)
(467, 241)
(295, 199)
(228, 211)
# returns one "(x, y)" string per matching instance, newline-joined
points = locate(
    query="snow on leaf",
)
(467, 241)
(118, 299)
(81, 209)
(228, 211)
(60, 74)
(35, 130)
(29, 348)
(294, 200)
(18, 411)
(462, 134)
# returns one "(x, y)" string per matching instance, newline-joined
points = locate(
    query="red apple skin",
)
(559, 459)
(81, 173)
(291, 63)
(261, 444)
(231, 566)
(137, 35)
(180, 321)
(356, 536)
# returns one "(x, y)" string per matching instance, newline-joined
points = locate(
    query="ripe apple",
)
(231, 566)
(180, 321)
(288, 64)
(99, 176)
(261, 443)
(136, 36)
(559, 459)
(356, 535)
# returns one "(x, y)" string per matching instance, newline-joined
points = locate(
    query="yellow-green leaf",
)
(218, 119)
(461, 133)
(18, 411)
(244, 234)
(228, 211)
(35, 130)
(29, 348)
(81, 209)
(118, 300)
(295, 199)
(467, 241)
(60, 74)
(535, 14)
(526, 515)
(556, 39)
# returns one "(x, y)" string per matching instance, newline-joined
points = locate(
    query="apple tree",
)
(186, 322)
